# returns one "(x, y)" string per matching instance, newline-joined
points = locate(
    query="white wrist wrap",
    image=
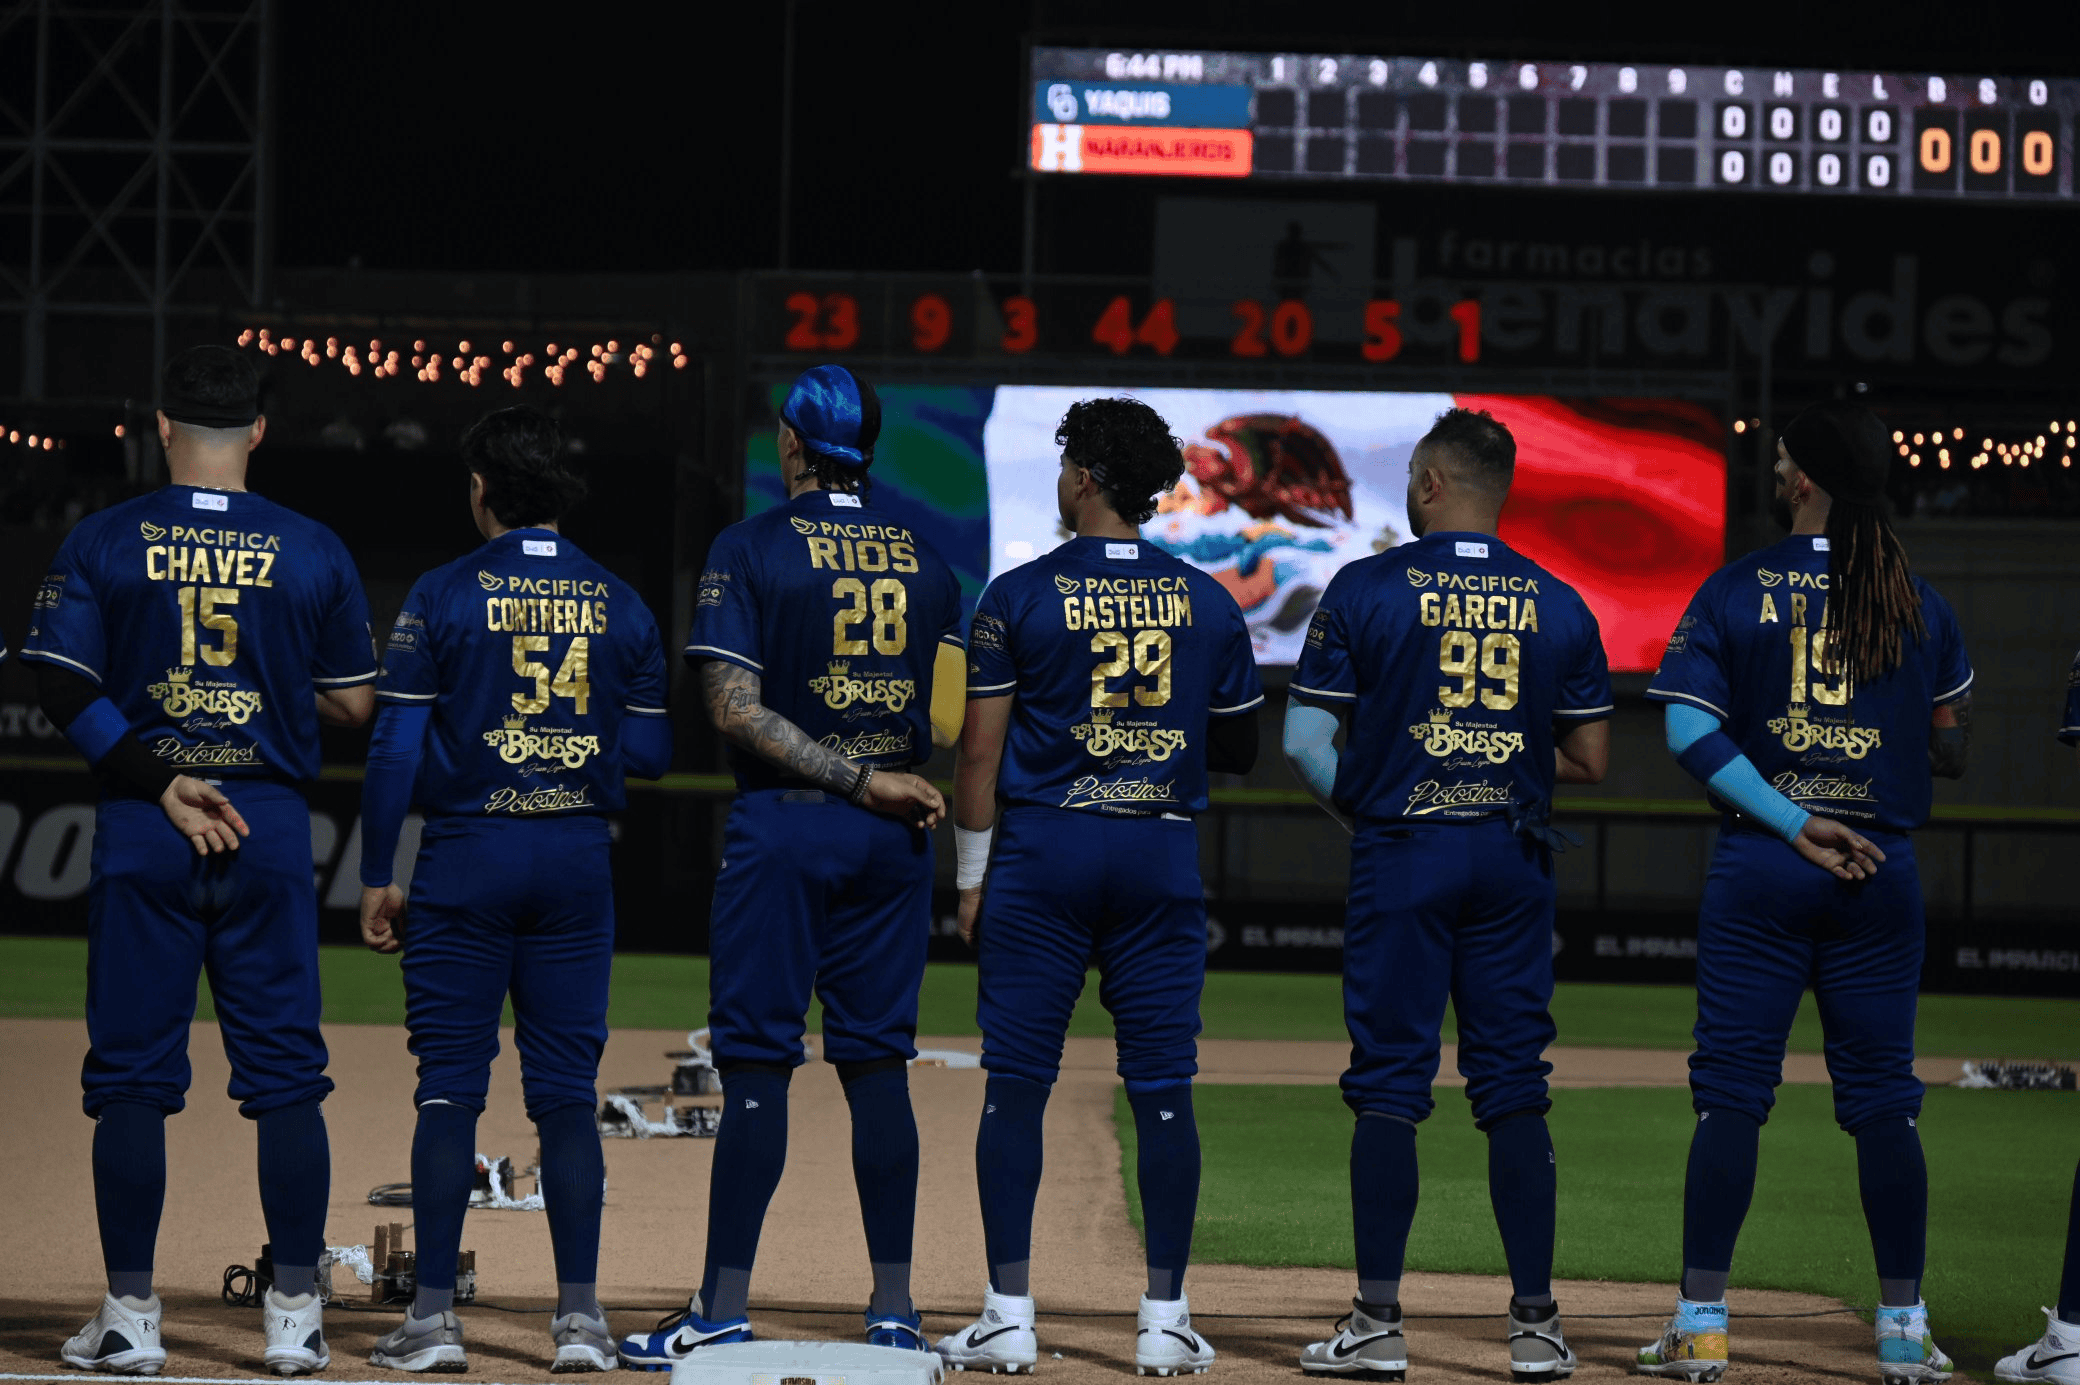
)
(971, 856)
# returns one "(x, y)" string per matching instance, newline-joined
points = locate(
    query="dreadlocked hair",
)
(1871, 598)
(836, 475)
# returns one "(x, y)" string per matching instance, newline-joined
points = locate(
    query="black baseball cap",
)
(210, 387)
(1844, 449)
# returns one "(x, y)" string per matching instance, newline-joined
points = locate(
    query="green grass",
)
(48, 977)
(1996, 1225)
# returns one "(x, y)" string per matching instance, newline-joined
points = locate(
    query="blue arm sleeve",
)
(1710, 756)
(1310, 746)
(646, 746)
(97, 730)
(386, 794)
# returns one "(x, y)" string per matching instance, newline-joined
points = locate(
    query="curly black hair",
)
(519, 453)
(1128, 449)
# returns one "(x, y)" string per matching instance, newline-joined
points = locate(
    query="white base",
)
(807, 1363)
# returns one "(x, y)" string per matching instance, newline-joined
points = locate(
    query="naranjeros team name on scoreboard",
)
(1619, 125)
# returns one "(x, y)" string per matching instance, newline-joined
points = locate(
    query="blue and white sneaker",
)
(1907, 1352)
(904, 1330)
(678, 1337)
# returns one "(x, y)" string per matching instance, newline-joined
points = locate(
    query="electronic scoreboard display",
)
(1635, 126)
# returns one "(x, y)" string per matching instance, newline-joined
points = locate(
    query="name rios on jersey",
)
(1125, 603)
(1102, 737)
(181, 696)
(515, 743)
(1441, 738)
(839, 689)
(844, 547)
(223, 557)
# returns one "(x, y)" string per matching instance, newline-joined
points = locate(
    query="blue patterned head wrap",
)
(836, 414)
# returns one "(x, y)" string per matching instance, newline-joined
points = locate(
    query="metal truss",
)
(134, 164)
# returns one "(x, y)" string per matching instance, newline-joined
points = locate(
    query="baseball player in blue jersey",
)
(2055, 1356)
(521, 682)
(1472, 679)
(827, 639)
(189, 642)
(1104, 680)
(1816, 676)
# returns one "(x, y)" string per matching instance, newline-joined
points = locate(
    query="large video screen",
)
(1623, 499)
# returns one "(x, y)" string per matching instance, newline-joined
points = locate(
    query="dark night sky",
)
(457, 136)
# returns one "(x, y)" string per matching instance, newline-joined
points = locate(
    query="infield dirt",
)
(812, 1272)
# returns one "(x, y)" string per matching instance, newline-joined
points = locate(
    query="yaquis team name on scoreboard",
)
(1969, 136)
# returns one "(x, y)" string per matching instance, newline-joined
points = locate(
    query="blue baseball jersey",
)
(1456, 657)
(2069, 728)
(530, 655)
(1751, 650)
(1117, 655)
(210, 619)
(840, 612)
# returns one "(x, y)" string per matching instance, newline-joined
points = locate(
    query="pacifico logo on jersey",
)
(1417, 578)
(1102, 737)
(1441, 738)
(1768, 578)
(1067, 586)
(181, 696)
(150, 532)
(1431, 796)
(1799, 734)
(490, 582)
(839, 689)
(515, 743)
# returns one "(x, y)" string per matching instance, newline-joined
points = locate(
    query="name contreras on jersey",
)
(1480, 613)
(540, 615)
(1128, 603)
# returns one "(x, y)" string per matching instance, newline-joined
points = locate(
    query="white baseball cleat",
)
(1164, 1343)
(1907, 1350)
(423, 1344)
(2054, 1358)
(1537, 1349)
(583, 1343)
(1364, 1344)
(295, 1330)
(120, 1339)
(1000, 1340)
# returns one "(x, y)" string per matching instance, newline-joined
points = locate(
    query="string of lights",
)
(466, 361)
(1939, 444)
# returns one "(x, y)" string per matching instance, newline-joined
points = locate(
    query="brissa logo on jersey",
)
(1831, 787)
(180, 696)
(1432, 797)
(1800, 734)
(1102, 737)
(542, 800)
(1123, 795)
(839, 689)
(1441, 738)
(869, 745)
(515, 743)
(183, 756)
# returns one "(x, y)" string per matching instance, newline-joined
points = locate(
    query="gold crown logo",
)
(801, 526)
(1796, 710)
(839, 668)
(1102, 717)
(179, 675)
(1067, 586)
(1441, 717)
(516, 722)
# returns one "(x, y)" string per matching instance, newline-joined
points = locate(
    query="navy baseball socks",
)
(129, 1193)
(295, 1185)
(1167, 1170)
(884, 1169)
(1007, 1172)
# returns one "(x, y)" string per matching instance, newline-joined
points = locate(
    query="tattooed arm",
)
(1950, 738)
(736, 707)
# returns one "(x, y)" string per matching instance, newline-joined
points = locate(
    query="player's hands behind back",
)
(1837, 849)
(905, 796)
(202, 815)
(381, 907)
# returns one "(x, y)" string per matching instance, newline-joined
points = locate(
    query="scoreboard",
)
(1628, 126)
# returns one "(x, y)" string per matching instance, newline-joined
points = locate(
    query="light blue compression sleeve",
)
(1710, 755)
(386, 794)
(646, 746)
(1310, 746)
